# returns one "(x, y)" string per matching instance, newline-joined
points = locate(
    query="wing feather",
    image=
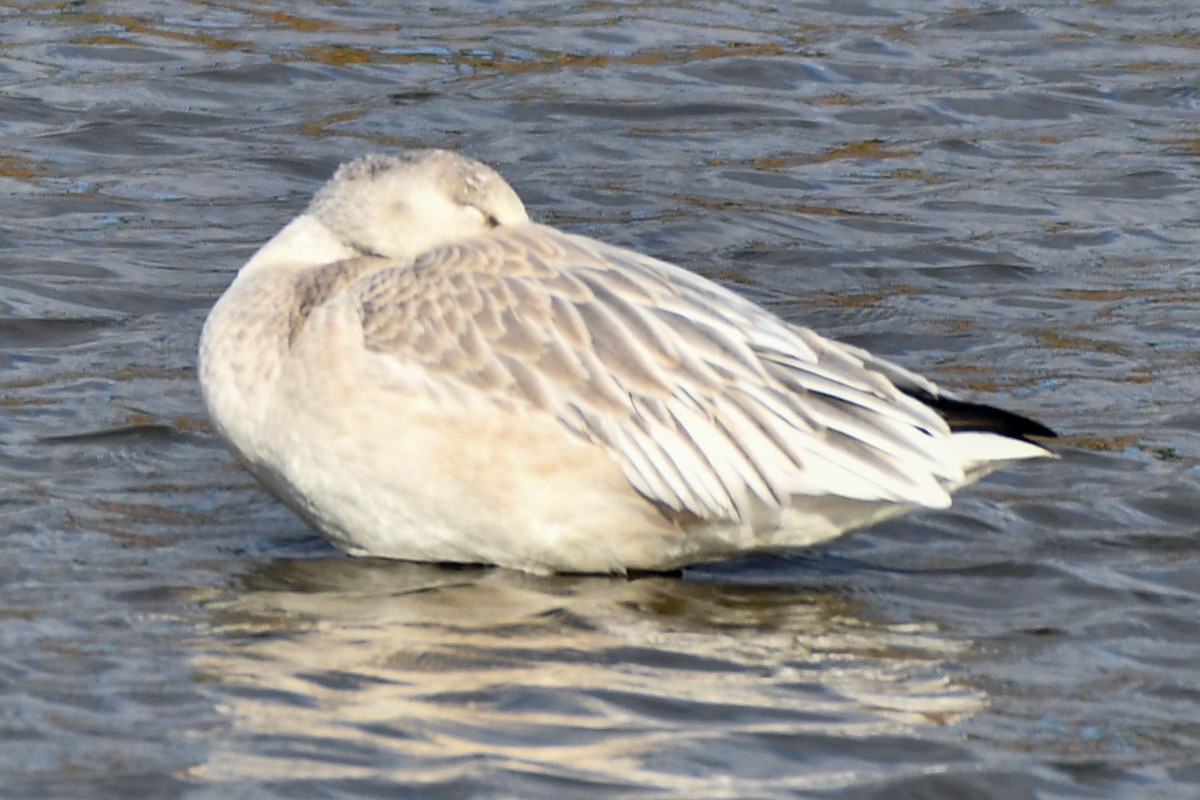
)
(711, 406)
(710, 498)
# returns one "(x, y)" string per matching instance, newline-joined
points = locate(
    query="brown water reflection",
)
(1004, 197)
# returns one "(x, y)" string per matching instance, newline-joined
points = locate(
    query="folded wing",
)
(711, 406)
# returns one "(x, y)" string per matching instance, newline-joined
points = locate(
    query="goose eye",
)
(486, 217)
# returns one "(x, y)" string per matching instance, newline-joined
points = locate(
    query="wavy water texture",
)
(1003, 197)
(432, 678)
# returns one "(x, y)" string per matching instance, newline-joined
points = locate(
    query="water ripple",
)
(1002, 197)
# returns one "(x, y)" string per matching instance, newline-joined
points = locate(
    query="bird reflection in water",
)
(372, 669)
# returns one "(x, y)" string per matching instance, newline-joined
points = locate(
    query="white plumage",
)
(423, 373)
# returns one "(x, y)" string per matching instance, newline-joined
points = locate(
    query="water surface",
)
(1002, 197)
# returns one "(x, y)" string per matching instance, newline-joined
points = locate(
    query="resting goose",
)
(421, 372)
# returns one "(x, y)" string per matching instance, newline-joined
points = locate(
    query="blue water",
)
(1004, 198)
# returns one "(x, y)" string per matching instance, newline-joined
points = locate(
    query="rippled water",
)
(1004, 197)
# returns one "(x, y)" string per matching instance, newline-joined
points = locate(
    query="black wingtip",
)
(963, 416)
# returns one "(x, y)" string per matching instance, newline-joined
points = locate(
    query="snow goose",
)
(423, 373)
